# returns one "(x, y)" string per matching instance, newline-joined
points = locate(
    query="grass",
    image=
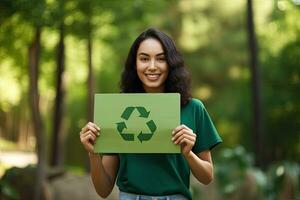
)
(76, 170)
(7, 145)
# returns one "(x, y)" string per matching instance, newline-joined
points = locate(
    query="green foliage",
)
(8, 191)
(17, 183)
(237, 176)
(7, 8)
(281, 99)
(283, 178)
(231, 168)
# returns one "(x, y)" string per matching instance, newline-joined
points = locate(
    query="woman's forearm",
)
(102, 181)
(201, 169)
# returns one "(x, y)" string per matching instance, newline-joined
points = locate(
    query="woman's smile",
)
(152, 77)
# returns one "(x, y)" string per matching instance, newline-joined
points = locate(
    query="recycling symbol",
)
(142, 136)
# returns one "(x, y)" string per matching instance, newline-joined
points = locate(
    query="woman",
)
(155, 66)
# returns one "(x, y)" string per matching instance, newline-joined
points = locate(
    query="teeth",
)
(152, 75)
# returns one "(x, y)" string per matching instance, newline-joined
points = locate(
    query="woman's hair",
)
(178, 79)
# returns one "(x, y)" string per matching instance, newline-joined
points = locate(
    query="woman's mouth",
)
(152, 77)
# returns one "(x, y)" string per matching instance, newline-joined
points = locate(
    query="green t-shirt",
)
(167, 174)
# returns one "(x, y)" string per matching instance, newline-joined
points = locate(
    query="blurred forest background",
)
(54, 55)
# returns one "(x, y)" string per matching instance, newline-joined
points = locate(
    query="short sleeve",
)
(108, 154)
(207, 134)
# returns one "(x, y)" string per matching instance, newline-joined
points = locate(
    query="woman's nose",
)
(152, 65)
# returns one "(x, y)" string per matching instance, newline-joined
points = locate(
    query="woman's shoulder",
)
(195, 102)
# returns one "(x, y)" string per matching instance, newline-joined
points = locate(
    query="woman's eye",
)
(162, 59)
(144, 59)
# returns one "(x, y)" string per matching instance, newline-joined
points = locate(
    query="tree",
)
(57, 151)
(33, 12)
(256, 96)
(34, 53)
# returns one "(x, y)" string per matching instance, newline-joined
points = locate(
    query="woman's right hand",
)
(88, 135)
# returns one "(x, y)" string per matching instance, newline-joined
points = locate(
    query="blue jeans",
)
(129, 196)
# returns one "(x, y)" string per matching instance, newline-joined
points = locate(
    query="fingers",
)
(88, 135)
(179, 128)
(184, 135)
(88, 140)
(188, 143)
(92, 127)
(181, 132)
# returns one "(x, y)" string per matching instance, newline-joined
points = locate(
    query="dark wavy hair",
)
(178, 79)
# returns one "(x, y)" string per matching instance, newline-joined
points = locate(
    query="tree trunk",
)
(256, 97)
(90, 87)
(90, 81)
(34, 53)
(57, 140)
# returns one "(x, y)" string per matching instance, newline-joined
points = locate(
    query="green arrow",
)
(147, 136)
(151, 125)
(121, 126)
(127, 136)
(143, 112)
(144, 136)
(127, 112)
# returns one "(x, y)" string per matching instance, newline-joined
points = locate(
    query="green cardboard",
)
(136, 123)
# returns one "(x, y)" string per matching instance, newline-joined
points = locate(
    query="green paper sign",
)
(136, 123)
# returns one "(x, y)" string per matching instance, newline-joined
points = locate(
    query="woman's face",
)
(151, 65)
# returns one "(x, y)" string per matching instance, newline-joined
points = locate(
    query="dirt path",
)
(76, 188)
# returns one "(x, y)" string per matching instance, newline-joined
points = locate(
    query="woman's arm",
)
(103, 172)
(103, 169)
(200, 164)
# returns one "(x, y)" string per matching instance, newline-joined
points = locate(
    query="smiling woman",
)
(154, 65)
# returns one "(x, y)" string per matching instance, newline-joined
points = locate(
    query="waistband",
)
(130, 196)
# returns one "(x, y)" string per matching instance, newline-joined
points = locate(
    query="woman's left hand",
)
(184, 136)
